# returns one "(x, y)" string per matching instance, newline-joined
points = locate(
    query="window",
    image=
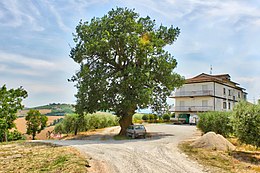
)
(224, 91)
(229, 105)
(234, 98)
(229, 92)
(238, 94)
(224, 105)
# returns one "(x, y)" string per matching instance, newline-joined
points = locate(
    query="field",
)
(23, 113)
(21, 127)
(29, 157)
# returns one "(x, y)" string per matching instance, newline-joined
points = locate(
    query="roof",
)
(222, 79)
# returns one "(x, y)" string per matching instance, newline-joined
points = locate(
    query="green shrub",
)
(90, 121)
(15, 135)
(150, 117)
(145, 117)
(218, 122)
(166, 117)
(137, 118)
(59, 128)
(246, 122)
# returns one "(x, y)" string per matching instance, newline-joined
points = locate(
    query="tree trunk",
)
(6, 139)
(124, 122)
(76, 130)
(33, 135)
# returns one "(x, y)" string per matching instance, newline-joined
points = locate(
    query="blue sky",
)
(35, 38)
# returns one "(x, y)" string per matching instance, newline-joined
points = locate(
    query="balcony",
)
(192, 93)
(191, 108)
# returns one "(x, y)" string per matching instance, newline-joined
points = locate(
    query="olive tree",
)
(123, 64)
(246, 123)
(10, 103)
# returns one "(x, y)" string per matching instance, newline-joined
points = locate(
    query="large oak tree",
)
(123, 64)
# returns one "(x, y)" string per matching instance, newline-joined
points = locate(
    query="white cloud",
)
(32, 63)
(16, 14)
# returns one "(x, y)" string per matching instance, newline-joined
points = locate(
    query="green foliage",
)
(145, 117)
(57, 109)
(90, 121)
(36, 122)
(15, 135)
(246, 122)
(218, 122)
(123, 64)
(10, 103)
(166, 117)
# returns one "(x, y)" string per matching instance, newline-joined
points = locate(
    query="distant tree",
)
(123, 64)
(10, 103)
(36, 122)
(166, 117)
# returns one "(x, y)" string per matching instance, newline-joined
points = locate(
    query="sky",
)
(36, 38)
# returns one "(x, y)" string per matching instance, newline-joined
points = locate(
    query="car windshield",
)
(139, 127)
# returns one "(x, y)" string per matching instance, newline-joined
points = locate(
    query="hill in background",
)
(52, 109)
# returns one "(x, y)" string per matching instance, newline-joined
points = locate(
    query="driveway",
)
(156, 154)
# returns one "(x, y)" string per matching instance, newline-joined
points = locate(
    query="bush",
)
(15, 135)
(90, 121)
(218, 122)
(145, 117)
(246, 122)
(59, 128)
(137, 118)
(166, 117)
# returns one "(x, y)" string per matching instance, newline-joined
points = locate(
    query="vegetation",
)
(15, 135)
(10, 103)
(26, 157)
(218, 122)
(57, 109)
(123, 64)
(246, 123)
(166, 117)
(36, 122)
(90, 121)
(244, 159)
(243, 122)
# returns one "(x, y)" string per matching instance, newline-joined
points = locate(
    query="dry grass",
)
(21, 127)
(26, 157)
(245, 159)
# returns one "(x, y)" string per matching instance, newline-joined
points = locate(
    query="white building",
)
(206, 93)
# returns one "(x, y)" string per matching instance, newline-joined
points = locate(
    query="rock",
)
(211, 140)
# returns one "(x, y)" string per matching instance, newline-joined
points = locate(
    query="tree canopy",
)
(10, 103)
(36, 122)
(123, 64)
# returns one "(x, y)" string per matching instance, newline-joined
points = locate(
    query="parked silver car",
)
(135, 131)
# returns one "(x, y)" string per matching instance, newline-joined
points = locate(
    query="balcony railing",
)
(193, 93)
(191, 108)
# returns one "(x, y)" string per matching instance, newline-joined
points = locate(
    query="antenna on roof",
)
(210, 72)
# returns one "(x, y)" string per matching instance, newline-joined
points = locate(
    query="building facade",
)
(206, 93)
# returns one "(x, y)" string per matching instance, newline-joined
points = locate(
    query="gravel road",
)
(156, 154)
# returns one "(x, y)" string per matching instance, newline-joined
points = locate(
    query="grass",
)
(26, 157)
(240, 160)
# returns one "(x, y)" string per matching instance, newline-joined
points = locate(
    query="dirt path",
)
(158, 153)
